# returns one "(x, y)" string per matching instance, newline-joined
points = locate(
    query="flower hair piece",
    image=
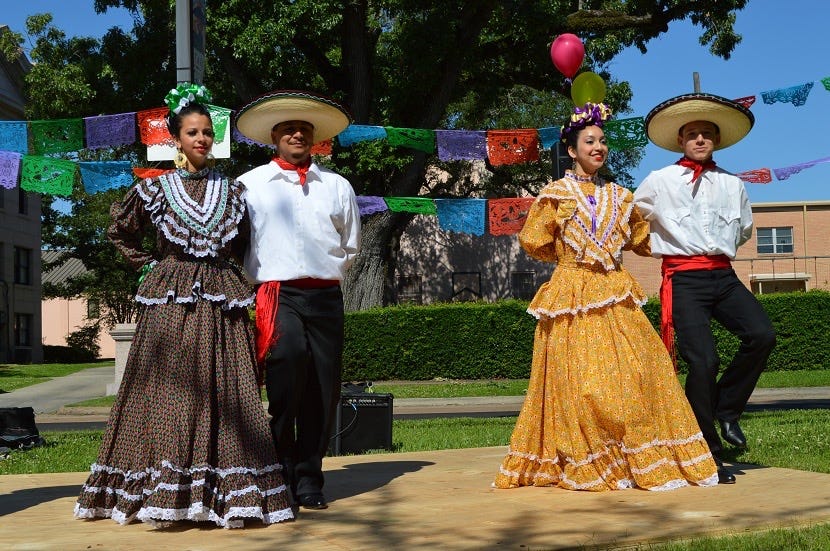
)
(182, 95)
(591, 114)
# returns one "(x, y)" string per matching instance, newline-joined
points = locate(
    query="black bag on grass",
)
(18, 429)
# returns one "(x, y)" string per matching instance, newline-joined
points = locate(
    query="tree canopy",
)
(479, 64)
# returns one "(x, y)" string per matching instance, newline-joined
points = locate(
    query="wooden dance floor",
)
(433, 500)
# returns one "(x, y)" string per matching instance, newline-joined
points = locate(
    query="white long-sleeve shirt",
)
(299, 231)
(715, 220)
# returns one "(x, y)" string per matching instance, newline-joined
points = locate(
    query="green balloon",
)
(587, 87)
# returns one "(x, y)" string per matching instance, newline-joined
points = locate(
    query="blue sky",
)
(782, 46)
(73, 17)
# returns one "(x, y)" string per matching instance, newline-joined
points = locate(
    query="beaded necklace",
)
(187, 175)
(570, 174)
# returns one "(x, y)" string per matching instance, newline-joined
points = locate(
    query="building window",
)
(23, 329)
(466, 286)
(410, 289)
(22, 266)
(775, 240)
(523, 285)
(22, 201)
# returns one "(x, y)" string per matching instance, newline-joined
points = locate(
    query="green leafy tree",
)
(74, 77)
(81, 233)
(406, 63)
(423, 64)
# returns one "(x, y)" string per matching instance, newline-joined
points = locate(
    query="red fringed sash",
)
(671, 265)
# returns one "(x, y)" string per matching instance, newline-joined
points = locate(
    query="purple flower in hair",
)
(590, 114)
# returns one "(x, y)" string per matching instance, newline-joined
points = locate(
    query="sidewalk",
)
(74, 418)
(49, 398)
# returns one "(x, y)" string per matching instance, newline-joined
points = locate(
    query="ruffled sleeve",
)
(552, 209)
(639, 241)
(537, 235)
(130, 221)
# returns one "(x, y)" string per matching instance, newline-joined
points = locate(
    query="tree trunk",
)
(357, 65)
(370, 281)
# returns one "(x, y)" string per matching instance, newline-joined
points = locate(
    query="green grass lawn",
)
(14, 376)
(795, 439)
(518, 387)
(807, 538)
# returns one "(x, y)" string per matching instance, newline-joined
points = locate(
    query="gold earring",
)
(210, 160)
(180, 160)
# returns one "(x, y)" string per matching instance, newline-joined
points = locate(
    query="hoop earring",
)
(180, 161)
(210, 160)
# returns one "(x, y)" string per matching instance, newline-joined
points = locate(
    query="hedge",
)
(66, 355)
(495, 340)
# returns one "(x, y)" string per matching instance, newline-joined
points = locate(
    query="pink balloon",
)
(567, 53)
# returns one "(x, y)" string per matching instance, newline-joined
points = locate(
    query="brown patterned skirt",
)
(187, 438)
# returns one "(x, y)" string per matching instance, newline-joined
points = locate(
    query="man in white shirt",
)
(699, 215)
(305, 233)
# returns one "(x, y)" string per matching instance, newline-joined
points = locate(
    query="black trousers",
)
(302, 379)
(699, 296)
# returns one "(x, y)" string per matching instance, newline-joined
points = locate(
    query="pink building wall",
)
(60, 317)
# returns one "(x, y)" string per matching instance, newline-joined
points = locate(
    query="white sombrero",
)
(256, 119)
(665, 121)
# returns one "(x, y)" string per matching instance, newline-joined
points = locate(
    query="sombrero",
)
(664, 121)
(257, 118)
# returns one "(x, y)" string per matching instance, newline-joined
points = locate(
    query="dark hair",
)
(592, 114)
(174, 121)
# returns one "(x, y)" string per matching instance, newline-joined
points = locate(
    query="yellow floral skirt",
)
(604, 409)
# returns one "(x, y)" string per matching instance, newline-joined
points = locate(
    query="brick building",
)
(19, 239)
(789, 250)
(62, 316)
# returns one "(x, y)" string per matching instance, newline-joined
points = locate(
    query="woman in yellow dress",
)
(604, 409)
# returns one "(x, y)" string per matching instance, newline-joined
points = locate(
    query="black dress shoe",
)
(724, 476)
(732, 433)
(313, 501)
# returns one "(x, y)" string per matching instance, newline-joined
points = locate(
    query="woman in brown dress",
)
(187, 437)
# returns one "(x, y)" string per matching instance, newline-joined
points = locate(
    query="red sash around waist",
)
(267, 303)
(678, 263)
(311, 283)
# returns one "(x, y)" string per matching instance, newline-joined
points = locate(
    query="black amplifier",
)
(363, 421)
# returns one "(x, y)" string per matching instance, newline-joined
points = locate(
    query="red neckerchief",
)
(302, 169)
(696, 166)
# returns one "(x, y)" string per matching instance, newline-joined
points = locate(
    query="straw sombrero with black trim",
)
(256, 119)
(664, 122)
